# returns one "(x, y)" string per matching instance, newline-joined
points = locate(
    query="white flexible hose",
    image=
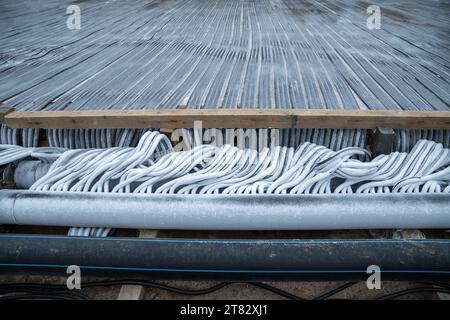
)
(208, 169)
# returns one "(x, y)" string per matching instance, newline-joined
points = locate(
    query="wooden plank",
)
(442, 295)
(131, 292)
(135, 292)
(231, 118)
(4, 110)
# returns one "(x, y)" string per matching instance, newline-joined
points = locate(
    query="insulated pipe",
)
(28, 172)
(226, 212)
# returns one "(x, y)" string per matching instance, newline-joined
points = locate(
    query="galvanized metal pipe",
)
(225, 212)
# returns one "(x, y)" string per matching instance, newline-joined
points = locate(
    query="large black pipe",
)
(227, 259)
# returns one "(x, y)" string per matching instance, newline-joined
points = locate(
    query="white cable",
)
(208, 169)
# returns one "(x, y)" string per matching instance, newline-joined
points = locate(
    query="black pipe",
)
(227, 259)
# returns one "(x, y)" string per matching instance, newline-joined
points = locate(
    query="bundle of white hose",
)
(94, 169)
(88, 232)
(278, 170)
(94, 138)
(424, 169)
(25, 137)
(208, 169)
(11, 153)
(30, 137)
(8, 136)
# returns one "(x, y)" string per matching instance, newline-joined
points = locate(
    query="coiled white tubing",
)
(11, 153)
(208, 169)
(88, 232)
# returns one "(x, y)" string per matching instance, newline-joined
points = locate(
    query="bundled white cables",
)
(11, 153)
(94, 169)
(153, 167)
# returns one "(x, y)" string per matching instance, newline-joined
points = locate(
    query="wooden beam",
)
(4, 110)
(231, 118)
(131, 292)
(442, 295)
